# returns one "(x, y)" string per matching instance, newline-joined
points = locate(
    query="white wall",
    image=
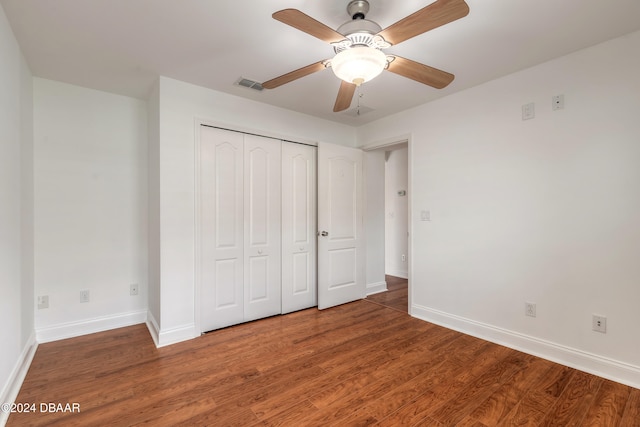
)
(181, 106)
(374, 220)
(544, 210)
(396, 213)
(16, 213)
(90, 151)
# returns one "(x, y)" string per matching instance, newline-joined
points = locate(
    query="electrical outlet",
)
(43, 302)
(599, 324)
(530, 309)
(84, 295)
(557, 102)
(133, 289)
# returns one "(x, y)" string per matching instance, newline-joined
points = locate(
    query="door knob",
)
(324, 233)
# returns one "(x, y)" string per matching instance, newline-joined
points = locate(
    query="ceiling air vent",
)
(251, 84)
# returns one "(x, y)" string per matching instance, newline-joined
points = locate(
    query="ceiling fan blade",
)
(294, 75)
(433, 16)
(345, 95)
(307, 24)
(420, 72)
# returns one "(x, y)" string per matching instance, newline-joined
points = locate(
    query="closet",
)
(256, 227)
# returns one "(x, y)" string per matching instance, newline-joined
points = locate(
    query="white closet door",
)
(299, 287)
(221, 228)
(262, 206)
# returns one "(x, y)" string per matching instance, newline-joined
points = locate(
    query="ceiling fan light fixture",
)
(358, 64)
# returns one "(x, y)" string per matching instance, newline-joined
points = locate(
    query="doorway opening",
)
(388, 219)
(396, 230)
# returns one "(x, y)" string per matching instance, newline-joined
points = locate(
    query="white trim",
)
(584, 361)
(376, 288)
(387, 143)
(197, 226)
(90, 326)
(16, 378)
(252, 131)
(170, 336)
(177, 334)
(152, 326)
(403, 274)
(411, 227)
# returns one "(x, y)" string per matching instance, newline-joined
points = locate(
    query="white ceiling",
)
(121, 46)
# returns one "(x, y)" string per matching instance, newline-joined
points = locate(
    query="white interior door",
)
(299, 286)
(221, 228)
(340, 224)
(262, 206)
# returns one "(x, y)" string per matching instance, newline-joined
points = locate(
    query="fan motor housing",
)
(360, 32)
(359, 26)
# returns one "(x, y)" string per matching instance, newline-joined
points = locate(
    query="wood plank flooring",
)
(395, 297)
(356, 364)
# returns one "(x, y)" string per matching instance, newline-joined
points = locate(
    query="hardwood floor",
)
(395, 297)
(356, 364)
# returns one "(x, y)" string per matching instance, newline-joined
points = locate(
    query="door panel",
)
(342, 176)
(340, 216)
(221, 228)
(341, 270)
(258, 275)
(258, 194)
(299, 285)
(262, 212)
(301, 273)
(226, 272)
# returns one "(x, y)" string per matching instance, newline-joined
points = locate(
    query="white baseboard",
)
(376, 288)
(592, 363)
(403, 274)
(166, 337)
(90, 326)
(19, 372)
(176, 335)
(153, 327)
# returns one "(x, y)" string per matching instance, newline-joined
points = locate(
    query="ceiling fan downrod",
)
(357, 9)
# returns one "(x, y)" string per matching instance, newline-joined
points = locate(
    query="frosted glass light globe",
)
(358, 64)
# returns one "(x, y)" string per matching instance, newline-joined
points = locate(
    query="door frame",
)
(387, 144)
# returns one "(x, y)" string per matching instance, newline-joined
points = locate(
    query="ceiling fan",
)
(358, 45)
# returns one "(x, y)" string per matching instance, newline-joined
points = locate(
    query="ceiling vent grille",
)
(251, 84)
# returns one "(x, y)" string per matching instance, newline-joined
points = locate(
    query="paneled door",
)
(221, 228)
(340, 226)
(262, 227)
(299, 285)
